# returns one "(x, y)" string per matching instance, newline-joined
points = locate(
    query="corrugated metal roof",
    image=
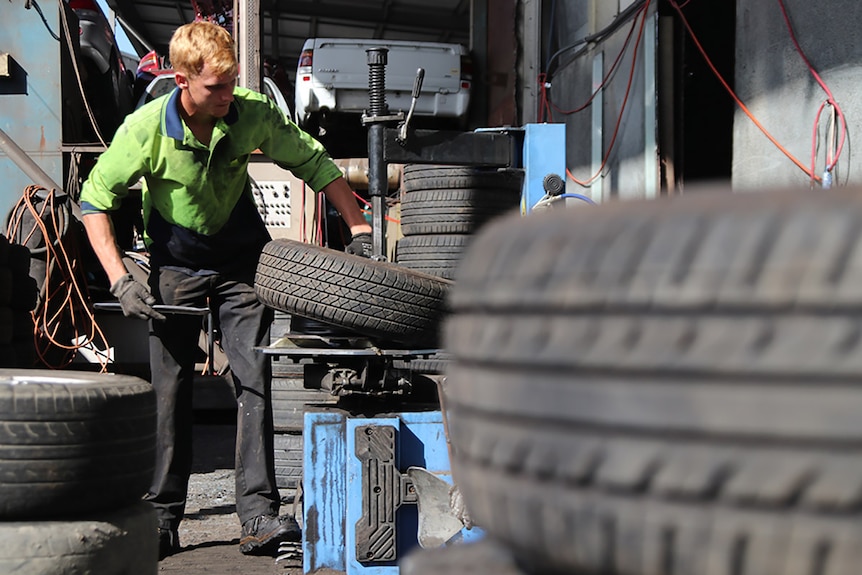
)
(287, 23)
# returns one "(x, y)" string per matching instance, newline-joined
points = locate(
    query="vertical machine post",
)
(377, 176)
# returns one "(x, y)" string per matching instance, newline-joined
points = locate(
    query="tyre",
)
(456, 211)
(484, 557)
(288, 459)
(437, 255)
(117, 541)
(433, 364)
(437, 177)
(667, 386)
(289, 401)
(73, 442)
(102, 92)
(455, 200)
(375, 299)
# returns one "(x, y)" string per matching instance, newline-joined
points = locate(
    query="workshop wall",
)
(30, 98)
(607, 161)
(772, 79)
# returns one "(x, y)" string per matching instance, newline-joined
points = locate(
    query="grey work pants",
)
(244, 323)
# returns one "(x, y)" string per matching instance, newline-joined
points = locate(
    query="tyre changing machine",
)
(376, 485)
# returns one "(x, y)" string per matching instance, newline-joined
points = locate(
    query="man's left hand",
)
(360, 245)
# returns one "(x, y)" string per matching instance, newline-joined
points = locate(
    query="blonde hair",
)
(198, 43)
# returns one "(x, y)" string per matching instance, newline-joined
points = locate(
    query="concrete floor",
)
(209, 535)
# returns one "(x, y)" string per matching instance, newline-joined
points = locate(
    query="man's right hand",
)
(135, 298)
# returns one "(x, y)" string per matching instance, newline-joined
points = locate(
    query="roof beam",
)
(428, 18)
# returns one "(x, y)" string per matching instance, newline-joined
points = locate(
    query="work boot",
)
(169, 542)
(262, 534)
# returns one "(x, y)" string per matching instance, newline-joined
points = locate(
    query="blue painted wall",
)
(30, 101)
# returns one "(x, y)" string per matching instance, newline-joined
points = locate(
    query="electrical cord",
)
(547, 104)
(64, 302)
(367, 209)
(41, 15)
(811, 173)
(644, 10)
(630, 12)
(830, 101)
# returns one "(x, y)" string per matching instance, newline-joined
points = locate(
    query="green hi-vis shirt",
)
(198, 207)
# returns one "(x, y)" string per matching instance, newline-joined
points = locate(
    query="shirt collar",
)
(172, 122)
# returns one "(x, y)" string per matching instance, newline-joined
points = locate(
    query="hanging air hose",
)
(63, 321)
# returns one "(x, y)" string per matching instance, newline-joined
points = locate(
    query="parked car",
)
(332, 82)
(163, 82)
(107, 83)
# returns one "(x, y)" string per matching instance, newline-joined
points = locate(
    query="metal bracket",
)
(481, 149)
(366, 120)
(384, 490)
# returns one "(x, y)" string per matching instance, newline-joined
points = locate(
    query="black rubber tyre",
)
(288, 459)
(4, 250)
(437, 255)
(437, 177)
(434, 364)
(459, 211)
(669, 386)
(73, 442)
(120, 541)
(289, 400)
(375, 299)
(25, 289)
(483, 557)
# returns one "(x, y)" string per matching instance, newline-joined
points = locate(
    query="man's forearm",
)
(341, 195)
(100, 231)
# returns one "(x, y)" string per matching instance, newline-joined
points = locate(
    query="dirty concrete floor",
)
(209, 535)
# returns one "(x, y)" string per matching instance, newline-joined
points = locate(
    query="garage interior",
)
(649, 99)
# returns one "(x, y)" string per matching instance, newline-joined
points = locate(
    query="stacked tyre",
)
(18, 294)
(665, 386)
(344, 293)
(77, 453)
(290, 399)
(443, 206)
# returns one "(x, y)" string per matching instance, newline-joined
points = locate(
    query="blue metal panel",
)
(544, 153)
(30, 98)
(324, 491)
(332, 485)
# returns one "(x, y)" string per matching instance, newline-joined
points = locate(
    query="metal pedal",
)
(289, 551)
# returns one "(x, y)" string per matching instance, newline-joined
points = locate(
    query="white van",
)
(332, 80)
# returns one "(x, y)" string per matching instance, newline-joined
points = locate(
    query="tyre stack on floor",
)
(18, 294)
(442, 207)
(663, 387)
(77, 453)
(289, 401)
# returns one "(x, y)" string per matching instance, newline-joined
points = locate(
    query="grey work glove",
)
(135, 298)
(360, 245)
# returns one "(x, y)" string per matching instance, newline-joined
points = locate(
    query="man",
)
(204, 236)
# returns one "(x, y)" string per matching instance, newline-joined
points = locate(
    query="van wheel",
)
(73, 442)
(664, 386)
(374, 299)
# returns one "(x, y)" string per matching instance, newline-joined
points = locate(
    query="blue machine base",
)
(333, 489)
